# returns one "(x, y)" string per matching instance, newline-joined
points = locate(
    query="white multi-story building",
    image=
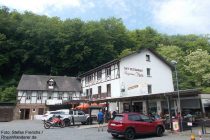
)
(138, 74)
(139, 82)
(39, 93)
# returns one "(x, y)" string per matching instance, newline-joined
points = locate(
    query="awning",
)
(86, 105)
(83, 106)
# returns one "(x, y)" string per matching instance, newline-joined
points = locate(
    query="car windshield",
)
(118, 118)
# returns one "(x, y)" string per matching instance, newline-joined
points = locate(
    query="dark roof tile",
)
(39, 82)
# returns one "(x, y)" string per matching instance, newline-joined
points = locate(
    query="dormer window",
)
(51, 84)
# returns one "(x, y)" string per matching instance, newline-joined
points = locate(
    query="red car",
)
(131, 124)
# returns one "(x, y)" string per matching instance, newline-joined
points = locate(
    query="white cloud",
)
(121, 8)
(45, 6)
(183, 16)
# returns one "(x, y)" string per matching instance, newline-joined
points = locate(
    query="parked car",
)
(80, 116)
(70, 116)
(132, 124)
(50, 114)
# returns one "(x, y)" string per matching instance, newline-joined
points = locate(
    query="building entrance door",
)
(126, 107)
(138, 107)
(24, 115)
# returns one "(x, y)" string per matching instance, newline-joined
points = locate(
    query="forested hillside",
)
(34, 44)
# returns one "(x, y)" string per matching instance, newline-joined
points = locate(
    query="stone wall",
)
(34, 108)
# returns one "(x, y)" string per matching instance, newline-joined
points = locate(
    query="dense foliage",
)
(34, 44)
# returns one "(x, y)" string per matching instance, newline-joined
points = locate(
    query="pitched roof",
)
(39, 82)
(118, 60)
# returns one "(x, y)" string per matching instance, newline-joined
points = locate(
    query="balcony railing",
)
(97, 96)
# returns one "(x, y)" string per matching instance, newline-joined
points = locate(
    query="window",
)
(118, 118)
(60, 96)
(147, 57)
(87, 92)
(108, 72)
(28, 95)
(145, 118)
(57, 112)
(90, 78)
(40, 111)
(99, 75)
(71, 112)
(149, 88)
(80, 113)
(39, 96)
(51, 83)
(108, 90)
(94, 76)
(86, 80)
(134, 117)
(99, 91)
(49, 95)
(148, 72)
(70, 97)
(90, 93)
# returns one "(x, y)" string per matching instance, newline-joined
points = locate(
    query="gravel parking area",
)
(27, 129)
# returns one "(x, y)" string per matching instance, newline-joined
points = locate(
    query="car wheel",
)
(67, 122)
(115, 136)
(159, 131)
(88, 121)
(129, 134)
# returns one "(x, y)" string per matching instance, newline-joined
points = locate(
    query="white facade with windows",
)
(138, 74)
(42, 97)
(144, 73)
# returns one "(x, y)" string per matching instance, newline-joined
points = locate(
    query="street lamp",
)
(177, 88)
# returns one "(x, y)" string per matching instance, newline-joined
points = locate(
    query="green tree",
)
(8, 94)
(145, 38)
(125, 52)
(187, 43)
(198, 64)
(173, 52)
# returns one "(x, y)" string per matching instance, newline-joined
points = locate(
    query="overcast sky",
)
(166, 16)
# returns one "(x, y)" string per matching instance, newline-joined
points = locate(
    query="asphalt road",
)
(26, 129)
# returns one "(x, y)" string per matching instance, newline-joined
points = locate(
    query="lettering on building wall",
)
(133, 72)
(132, 87)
